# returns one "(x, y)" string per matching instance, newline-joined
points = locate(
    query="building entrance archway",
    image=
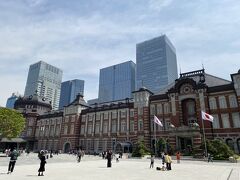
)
(67, 147)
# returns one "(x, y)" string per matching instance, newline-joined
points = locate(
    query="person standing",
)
(163, 159)
(168, 161)
(42, 163)
(178, 156)
(152, 161)
(109, 158)
(13, 158)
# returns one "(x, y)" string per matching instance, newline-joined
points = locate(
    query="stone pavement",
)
(64, 167)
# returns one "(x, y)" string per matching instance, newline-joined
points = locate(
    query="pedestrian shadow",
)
(2, 173)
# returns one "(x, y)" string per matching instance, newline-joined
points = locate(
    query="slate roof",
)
(210, 81)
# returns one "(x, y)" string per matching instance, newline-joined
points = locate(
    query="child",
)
(152, 161)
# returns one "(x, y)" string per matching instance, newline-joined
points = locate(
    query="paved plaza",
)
(64, 167)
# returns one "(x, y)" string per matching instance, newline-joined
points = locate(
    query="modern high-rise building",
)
(156, 63)
(69, 91)
(45, 80)
(117, 82)
(11, 100)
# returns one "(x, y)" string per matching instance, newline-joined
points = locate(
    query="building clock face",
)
(186, 89)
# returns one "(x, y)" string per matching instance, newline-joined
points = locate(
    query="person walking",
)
(79, 155)
(168, 162)
(210, 157)
(42, 163)
(109, 158)
(117, 157)
(178, 156)
(152, 162)
(13, 158)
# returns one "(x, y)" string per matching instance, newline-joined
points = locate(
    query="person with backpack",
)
(13, 158)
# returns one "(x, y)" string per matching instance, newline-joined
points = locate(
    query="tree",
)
(219, 150)
(139, 149)
(161, 144)
(11, 123)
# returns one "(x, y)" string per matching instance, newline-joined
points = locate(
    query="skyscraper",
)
(46, 80)
(69, 91)
(117, 82)
(156, 63)
(11, 100)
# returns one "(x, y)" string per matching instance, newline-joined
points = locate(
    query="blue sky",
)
(82, 36)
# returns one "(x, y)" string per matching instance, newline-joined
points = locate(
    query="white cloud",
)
(81, 39)
(159, 4)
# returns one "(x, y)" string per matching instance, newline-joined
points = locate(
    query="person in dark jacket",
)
(13, 158)
(42, 163)
(109, 158)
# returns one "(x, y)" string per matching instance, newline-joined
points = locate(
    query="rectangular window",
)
(166, 108)
(97, 127)
(72, 129)
(89, 128)
(57, 130)
(66, 119)
(37, 132)
(222, 102)
(159, 109)
(123, 126)
(233, 101)
(29, 131)
(225, 120)
(82, 129)
(123, 114)
(98, 116)
(114, 115)
(152, 109)
(131, 113)
(215, 121)
(212, 103)
(105, 115)
(236, 120)
(131, 125)
(83, 118)
(105, 127)
(140, 125)
(65, 129)
(140, 111)
(52, 131)
(46, 131)
(114, 126)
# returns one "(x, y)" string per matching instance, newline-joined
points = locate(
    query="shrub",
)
(139, 149)
(219, 150)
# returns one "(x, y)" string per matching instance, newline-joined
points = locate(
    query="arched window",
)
(230, 143)
(238, 145)
(189, 111)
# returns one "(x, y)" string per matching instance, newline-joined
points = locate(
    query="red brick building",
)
(118, 125)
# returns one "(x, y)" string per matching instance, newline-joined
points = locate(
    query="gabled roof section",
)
(209, 80)
(79, 101)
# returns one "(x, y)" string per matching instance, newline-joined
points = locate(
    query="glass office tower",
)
(69, 91)
(156, 63)
(44, 79)
(117, 82)
(11, 100)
